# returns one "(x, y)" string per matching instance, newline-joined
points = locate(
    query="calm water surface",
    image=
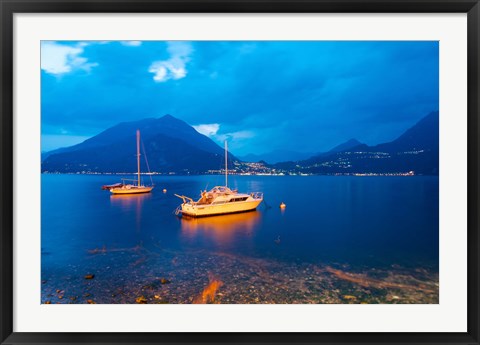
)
(358, 223)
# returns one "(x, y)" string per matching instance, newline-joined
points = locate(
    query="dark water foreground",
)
(340, 240)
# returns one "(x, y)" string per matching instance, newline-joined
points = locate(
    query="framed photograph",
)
(254, 172)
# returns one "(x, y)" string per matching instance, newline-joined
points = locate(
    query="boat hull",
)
(132, 190)
(190, 210)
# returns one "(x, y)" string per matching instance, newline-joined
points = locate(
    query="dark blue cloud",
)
(302, 96)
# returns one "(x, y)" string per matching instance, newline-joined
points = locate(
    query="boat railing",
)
(178, 210)
(257, 195)
(129, 179)
(185, 199)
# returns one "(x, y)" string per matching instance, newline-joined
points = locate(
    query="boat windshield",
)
(220, 189)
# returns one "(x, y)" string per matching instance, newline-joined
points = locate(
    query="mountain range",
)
(417, 149)
(277, 156)
(173, 146)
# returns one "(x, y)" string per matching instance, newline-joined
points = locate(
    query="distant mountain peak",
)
(423, 134)
(351, 143)
(167, 117)
(174, 122)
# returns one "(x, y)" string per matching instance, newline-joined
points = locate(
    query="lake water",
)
(341, 239)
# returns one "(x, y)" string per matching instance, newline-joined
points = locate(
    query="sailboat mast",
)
(138, 156)
(226, 165)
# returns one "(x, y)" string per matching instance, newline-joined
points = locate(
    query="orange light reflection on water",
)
(222, 229)
(131, 202)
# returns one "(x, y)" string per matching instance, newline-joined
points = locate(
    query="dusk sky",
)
(261, 96)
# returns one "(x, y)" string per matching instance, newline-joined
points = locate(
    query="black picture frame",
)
(9, 8)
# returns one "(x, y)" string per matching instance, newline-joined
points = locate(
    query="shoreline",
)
(173, 277)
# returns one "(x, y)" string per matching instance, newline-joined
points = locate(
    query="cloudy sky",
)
(261, 96)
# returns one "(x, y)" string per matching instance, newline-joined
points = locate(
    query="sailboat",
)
(137, 188)
(219, 200)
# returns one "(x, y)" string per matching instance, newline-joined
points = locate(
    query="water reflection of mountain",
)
(221, 229)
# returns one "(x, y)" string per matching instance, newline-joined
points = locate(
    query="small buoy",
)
(282, 205)
(164, 190)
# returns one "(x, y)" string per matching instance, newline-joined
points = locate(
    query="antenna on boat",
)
(138, 156)
(226, 164)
